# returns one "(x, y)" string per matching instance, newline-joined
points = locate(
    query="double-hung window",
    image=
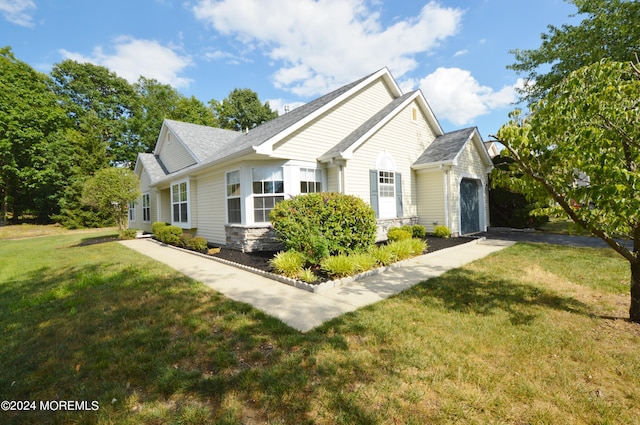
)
(132, 211)
(234, 203)
(310, 180)
(146, 208)
(180, 202)
(268, 189)
(386, 184)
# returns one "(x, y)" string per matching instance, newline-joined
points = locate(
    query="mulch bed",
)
(260, 260)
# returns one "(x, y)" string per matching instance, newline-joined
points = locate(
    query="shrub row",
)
(292, 263)
(406, 232)
(173, 235)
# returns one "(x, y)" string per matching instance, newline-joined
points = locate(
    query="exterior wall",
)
(387, 223)
(252, 238)
(174, 155)
(470, 165)
(431, 199)
(317, 137)
(138, 223)
(211, 207)
(405, 140)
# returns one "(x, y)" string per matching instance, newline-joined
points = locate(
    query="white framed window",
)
(234, 201)
(310, 180)
(268, 189)
(132, 211)
(180, 203)
(386, 184)
(146, 208)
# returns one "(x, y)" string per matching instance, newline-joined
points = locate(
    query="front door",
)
(469, 207)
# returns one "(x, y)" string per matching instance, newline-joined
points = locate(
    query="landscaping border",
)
(324, 285)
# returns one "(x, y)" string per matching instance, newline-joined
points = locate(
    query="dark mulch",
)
(260, 260)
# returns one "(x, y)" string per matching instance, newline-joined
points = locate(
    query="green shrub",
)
(309, 223)
(401, 249)
(307, 275)
(418, 231)
(127, 234)
(363, 261)
(398, 234)
(288, 263)
(169, 235)
(185, 240)
(441, 231)
(157, 225)
(337, 266)
(383, 255)
(418, 246)
(198, 244)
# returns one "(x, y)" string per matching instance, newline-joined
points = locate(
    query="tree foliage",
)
(32, 161)
(110, 191)
(609, 30)
(242, 110)
(580, 147)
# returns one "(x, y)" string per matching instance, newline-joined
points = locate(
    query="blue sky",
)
(292, 51)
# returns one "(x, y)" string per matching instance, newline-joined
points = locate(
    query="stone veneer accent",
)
(264, 238)
(252, 238)
(384, 224)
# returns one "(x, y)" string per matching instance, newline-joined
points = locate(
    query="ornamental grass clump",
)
(383, 255)
(288, 263)
(338, 266)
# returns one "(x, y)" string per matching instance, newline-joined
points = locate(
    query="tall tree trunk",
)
(634, 309)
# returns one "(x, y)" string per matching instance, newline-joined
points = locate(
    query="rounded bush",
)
(157, 225)
(197, 244)
(322, 224)
(418, 231)
(441, 231)
(398, 234)
(169, 235)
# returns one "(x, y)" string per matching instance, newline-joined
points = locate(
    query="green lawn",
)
(531, 334)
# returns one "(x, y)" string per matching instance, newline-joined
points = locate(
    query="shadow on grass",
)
(96, 240)
(465, 291)
(139, 342)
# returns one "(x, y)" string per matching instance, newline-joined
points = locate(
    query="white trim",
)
(183, 224)
(266, 148)
(227, 197)
(147, 193)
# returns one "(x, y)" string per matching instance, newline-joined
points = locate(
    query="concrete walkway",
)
(305, 310)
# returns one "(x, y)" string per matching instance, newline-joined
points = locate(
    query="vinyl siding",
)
(405, 140)
(175, 156)
(211, 207)
(431, 199)
(326, 131)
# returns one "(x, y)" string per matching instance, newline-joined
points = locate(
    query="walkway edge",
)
(324, 286)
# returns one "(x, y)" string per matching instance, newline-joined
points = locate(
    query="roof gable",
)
(152, 165)
(200, 141)
(446, 149)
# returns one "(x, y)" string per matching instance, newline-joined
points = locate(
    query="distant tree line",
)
(58, 130)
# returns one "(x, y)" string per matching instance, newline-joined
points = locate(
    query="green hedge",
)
(322, 224)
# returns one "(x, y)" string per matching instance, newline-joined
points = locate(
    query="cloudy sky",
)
(292, 51)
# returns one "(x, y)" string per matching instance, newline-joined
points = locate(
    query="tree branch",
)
(627, 254)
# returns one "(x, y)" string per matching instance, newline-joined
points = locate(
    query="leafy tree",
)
(609, 30)
(242, 110)
(160, 101)
(33, 161)
(110, 191)
(101, 105)
(581, 147)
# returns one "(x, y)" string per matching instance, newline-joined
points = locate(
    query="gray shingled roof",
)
(446, 147)
(203, 141)
(154, 166)
(348, 141)
(264, 132)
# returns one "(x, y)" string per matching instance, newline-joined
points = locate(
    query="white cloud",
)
(320, 44)
(460, 53)
(18, 12)
(458, 97)
(134, 57)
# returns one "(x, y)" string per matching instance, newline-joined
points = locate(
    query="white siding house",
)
(366, 138)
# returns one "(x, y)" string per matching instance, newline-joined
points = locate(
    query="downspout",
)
(340, 178)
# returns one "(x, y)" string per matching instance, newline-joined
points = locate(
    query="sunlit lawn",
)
(532, 334)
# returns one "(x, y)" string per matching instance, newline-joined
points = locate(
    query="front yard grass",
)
(532, 334)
